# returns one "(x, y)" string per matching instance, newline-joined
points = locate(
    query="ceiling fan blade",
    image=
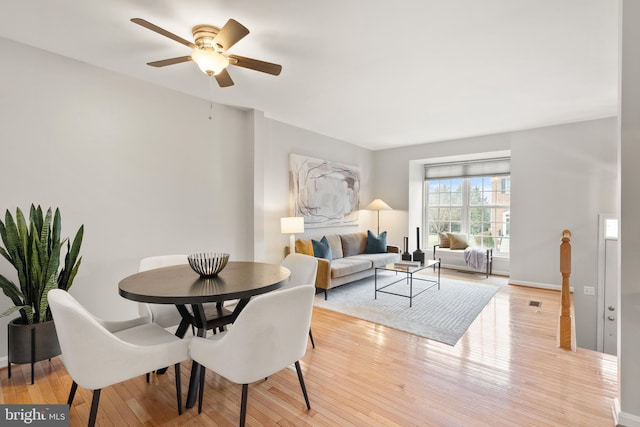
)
(169, 61)
(230, 34)
(148, 25)
(223, 78)
(254, 64)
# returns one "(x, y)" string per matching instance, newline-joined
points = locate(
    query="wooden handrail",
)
(567, 325)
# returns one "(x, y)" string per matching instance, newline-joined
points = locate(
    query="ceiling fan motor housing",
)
(203, 36)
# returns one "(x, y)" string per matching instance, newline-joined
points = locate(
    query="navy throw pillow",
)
(376, 244)
(321, 249)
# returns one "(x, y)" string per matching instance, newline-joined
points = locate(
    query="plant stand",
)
(31, 343)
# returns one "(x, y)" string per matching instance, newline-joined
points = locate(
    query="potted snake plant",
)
(34, 249)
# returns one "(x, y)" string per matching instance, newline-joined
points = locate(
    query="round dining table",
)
(181, 286)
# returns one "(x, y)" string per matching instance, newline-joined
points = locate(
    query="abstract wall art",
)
(325, 193)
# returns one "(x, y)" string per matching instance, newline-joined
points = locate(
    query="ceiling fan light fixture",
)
(208, 50)
(209, 61)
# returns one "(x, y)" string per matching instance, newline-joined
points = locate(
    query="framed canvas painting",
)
(324, 193)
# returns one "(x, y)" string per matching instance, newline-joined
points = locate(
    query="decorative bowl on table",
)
(208, 264)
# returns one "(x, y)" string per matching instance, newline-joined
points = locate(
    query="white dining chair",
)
(268, 336)
(303, 270)
(165, 315)
(98, 353)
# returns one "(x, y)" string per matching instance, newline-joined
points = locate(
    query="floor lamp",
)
(291, 225)
(378, 205)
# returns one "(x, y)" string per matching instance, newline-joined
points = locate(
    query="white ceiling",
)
(375, 73)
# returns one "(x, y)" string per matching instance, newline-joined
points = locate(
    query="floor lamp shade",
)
(292, 225)
(378, 205)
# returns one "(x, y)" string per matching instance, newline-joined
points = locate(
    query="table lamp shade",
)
(291, 225)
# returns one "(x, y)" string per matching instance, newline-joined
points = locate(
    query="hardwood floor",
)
(506, 370)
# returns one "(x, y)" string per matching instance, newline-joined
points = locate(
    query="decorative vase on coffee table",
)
(406, 255)
(418, 255)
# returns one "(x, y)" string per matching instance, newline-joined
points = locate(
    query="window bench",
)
(455, 258)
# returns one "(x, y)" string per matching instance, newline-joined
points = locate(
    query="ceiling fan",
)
(209, 50)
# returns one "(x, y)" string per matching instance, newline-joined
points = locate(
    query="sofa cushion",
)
(304, 246)
(321, 249)
(345, 266)
(376, 244)
(336, 246)
(353, 243)
(378, 260)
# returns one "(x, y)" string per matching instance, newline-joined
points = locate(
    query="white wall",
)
(561, 177)
(629, 242)
(282, 140)
(142, 167)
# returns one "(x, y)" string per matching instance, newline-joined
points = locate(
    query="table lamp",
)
(291, 225)
(378, 205)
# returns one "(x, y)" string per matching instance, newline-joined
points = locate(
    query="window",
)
(505, 185)
(478, 206)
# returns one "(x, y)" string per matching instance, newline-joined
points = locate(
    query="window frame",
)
(502, 186)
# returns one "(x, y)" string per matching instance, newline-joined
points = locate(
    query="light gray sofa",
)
(349, 262)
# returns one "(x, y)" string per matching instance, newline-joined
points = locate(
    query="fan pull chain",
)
(211, 92)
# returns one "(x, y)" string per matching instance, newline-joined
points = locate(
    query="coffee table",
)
(409, 271)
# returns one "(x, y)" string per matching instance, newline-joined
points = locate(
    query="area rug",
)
(440, 315)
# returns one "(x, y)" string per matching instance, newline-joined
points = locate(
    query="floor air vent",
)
(535, 303)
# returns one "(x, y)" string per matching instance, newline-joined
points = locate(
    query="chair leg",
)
(72, 393)
(203, 371)
(147, 377)
(313, 344)
(304, 389)
(243, 404)
(94, 408)
(178, 388)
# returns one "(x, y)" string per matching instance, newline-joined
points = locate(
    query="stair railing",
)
(566, 333)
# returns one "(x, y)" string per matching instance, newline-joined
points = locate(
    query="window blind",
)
(469, 168)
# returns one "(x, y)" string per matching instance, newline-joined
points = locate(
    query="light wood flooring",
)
(505, 371)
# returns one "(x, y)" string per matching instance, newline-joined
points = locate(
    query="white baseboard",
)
(622, 419)
(4, 361)
(537, 285)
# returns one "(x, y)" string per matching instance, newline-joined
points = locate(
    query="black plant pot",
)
(31, 343)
